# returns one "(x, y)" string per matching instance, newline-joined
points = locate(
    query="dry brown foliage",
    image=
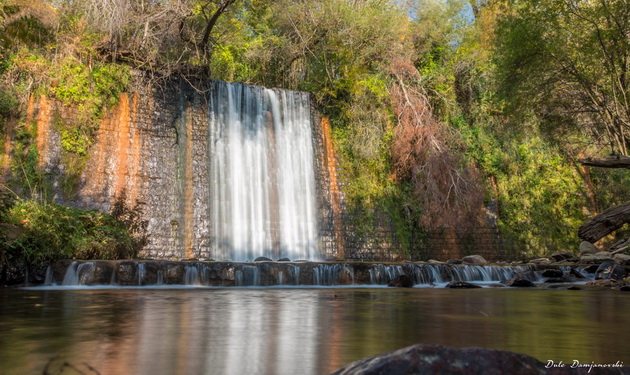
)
(449, 191)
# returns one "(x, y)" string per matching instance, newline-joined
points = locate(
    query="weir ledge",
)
(298, 273)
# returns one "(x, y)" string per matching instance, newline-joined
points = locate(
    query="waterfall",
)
(262, 174)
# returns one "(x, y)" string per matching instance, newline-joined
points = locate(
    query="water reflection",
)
(289, 331)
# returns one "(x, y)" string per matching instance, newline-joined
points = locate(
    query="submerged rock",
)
(284, 260)
(262, 259)
(402, 281)
(461, 285)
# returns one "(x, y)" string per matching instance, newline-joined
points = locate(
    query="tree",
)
(569, 62)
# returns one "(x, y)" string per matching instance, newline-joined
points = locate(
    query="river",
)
(295, 330)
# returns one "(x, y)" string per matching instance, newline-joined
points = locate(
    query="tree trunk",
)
(212, 21)
(605, 223)
(619, 161)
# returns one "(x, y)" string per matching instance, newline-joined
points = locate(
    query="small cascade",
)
(48, 280)
(112, 281)
(78, 274)
(383, 274)
(248, 275)
(191, 275)
(427, 273)
(333, 274)
(195, 274)
(141, 271)
(484, 273)
(71, 277)
(292, 277)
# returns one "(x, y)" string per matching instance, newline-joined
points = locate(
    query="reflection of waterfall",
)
(262, 173)
(247, 332)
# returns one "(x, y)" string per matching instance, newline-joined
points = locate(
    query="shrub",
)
(49, 231)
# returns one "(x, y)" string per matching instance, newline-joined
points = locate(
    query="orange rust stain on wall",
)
(188, 188)
(100, 154)
(329, 161)
(43, 129)
(122, 150)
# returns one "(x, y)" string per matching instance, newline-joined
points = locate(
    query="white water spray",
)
(262, 174)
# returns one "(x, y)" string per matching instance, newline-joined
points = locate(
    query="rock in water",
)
(461, 285)
(262, 259)
(402, 281)
(610, 271)
(437, 359)
(474, 259)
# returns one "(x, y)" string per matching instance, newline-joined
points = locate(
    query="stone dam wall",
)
(152, 148)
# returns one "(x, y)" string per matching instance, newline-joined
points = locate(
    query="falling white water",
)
(262, 174)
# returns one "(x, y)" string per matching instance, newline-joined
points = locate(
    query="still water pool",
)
(296, 330)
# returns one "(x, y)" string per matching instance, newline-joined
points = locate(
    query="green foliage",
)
(91, 89)
(541, 196)
(567, 61)
(24, 162)
(49, 232)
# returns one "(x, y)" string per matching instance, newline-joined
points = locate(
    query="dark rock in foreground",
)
(402, 281)
(436, 359)
(461, 285)
(611, 271)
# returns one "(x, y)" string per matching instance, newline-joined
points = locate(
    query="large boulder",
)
(474, 259)
(437, 359)
(587, 248)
